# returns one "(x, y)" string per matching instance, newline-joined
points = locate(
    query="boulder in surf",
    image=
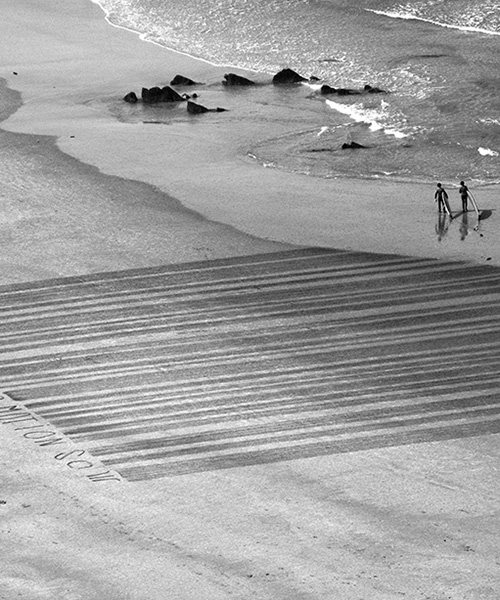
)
(352, 145)
(156, 94)
(131, 97)
(233, 79)
(196, 109)
(181, 80)
(288, 76)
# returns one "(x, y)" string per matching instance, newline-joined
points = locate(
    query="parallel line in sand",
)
(174, 412)
(343, 432)
(369, 272)
(288, 312)
(342, 444)
(381, 370)
(243, 305)
(254, 398)
(152, 349)
(288, 335)
(209, 383)
(141, 428)
(65, 377)
(176, 370)
(142, 275)
(191, 268)
(146, 298)
(158, 370)
(41, 324)
(248, 358)
(160, 302)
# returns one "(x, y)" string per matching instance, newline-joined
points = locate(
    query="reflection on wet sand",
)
(468, 222)
(464, 226)
(442, 225)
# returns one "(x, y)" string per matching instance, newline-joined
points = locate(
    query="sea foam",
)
(408, 15)
(361, 115)
(487, 152)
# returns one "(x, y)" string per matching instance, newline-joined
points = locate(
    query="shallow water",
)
(436, 58)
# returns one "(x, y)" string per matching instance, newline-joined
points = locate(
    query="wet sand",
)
(60, 217)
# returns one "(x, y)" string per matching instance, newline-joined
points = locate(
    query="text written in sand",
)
(31, 427)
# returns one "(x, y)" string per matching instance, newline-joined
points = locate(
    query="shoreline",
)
(144, 38)
(76, 107)
(108, 223)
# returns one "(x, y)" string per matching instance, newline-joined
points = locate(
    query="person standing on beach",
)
(440, 197)
(464, 194)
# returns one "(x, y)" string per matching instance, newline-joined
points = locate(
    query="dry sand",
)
(419, 522)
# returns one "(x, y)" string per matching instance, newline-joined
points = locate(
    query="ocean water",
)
(437, 59)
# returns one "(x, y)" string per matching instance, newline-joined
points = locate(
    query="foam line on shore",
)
(144, 37)
(412, 17)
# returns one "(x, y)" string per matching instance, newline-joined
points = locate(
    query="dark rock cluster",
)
(368, 89)
(156, 95)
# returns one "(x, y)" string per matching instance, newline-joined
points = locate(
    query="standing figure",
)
(464, 194)
(441, 197)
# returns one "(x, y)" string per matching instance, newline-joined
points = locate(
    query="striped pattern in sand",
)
(186, 368)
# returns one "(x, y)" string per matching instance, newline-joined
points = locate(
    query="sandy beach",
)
(72, 90)
(89, 184)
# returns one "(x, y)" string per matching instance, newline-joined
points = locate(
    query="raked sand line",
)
(273, 357)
